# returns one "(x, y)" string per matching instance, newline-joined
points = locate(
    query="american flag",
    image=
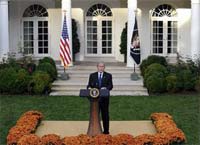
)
(65, 53)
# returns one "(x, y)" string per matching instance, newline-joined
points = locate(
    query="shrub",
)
(155, 68)
(193, 67)
(48, 60)
(197, 85)
(21, 82)
(150, 60)
(48, 68)
(156, 83)
(171, 83)
(4, 65)
(75, 39)
(7, 79)
(40, 83)
(188, 79)
(123, 44)
(31, 67)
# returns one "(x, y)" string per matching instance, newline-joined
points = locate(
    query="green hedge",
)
(172, 83)
(40, 83)
(48, 60)
(197, 84)
(48, 68)
(154, 78)
(153, 69)
(21, 82)
(7, 79)
(156, 83)
(160, 76)
(44, 66)
(17, 78)
(150, 60)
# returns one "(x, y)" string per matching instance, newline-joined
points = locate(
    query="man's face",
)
(100, 67)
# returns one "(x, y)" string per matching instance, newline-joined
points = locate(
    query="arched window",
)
(35, 11)
(35, 30)
(164, 30)
(164, 10)
(99, 9)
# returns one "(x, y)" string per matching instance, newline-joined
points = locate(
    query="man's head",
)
(100, 67)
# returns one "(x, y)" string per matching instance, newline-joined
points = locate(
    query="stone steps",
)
(79, 75)
(116, 88)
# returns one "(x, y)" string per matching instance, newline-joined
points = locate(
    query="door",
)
(99, 36)
(35, 37)
(164, 34)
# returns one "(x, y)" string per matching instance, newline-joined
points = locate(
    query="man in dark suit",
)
(102, 80)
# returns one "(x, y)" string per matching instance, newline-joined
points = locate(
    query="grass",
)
(184, 109)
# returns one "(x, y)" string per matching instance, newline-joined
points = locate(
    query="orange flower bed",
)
(73, 140)
(167, 134)
(103, 139)
(123, 139)
(51, 139)
(30, 139)
(26, 125)
(85, 140)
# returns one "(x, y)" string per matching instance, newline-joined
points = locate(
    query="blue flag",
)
(135, 44)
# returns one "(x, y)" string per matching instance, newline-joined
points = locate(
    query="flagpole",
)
(64, 75)
(64, 11)
(134, 75)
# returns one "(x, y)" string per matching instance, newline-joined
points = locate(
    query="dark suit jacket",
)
(106, 81)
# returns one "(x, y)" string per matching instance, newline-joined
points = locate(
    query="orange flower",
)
(143, 139)
(85, 140)
(103, 139)
(30, 139)
(158, 116)
(123, 139)
(51, 139)
(73, 140)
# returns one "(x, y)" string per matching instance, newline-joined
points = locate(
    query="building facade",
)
(166, 27)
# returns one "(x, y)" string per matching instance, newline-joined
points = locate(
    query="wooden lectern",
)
(94, 95)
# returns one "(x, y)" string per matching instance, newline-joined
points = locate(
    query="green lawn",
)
(184, 109)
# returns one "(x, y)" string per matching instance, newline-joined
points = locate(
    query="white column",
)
(66, 6)
(132, 7)
(4, 29)
(195, 29)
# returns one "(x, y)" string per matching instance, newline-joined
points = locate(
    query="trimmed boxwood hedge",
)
(150, 60)
(172, 82)
(153, 69)
(160, 76)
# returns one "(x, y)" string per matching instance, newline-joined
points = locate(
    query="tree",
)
(75, 39)
(123, 44)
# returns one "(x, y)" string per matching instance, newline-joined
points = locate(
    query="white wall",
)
(184, 25)
(55, 19)
(120, 17)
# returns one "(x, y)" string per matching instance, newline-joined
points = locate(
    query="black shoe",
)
(106, 132)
